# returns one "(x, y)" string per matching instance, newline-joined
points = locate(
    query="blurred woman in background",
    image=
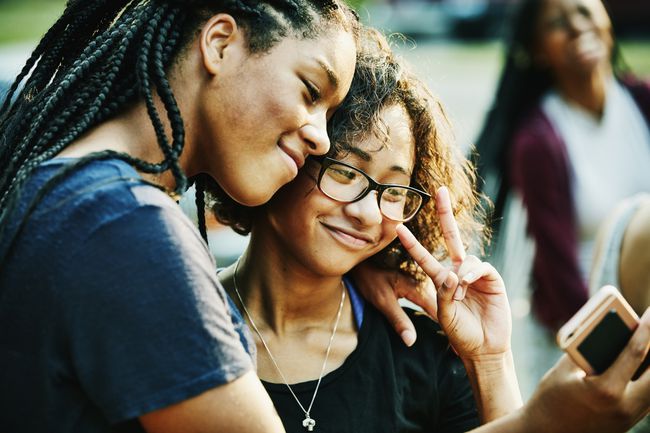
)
(569, 131)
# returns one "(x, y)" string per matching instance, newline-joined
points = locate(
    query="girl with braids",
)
(112, 317)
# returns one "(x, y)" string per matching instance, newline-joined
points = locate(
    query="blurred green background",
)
(23, 21)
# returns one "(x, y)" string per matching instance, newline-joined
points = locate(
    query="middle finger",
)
(449, 227)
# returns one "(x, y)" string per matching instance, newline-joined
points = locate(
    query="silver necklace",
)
(309, 423)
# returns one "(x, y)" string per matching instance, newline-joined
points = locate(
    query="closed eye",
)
(314, 92)
(584, 11)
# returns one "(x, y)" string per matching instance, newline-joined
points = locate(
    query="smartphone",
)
(599, 331)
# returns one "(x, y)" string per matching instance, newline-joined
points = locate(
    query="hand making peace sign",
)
(473, 308)
(476, 319)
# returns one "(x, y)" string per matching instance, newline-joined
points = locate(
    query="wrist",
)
(495, 384)
(489, 364)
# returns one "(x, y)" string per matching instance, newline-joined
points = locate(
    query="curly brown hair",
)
(381, 81)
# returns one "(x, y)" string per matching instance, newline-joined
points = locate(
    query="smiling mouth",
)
(348, 239)
(296, 157)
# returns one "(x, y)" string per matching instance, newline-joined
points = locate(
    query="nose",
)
(314, 135)
(365, 211)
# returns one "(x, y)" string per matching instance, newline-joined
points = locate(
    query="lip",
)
(588, 46)
(350, 238)
(297, 158)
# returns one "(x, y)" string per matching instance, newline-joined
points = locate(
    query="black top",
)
(384, 386)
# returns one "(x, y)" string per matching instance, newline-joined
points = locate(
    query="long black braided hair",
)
(101, 56)
(520, 88)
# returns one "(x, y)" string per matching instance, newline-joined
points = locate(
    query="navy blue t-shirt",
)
(109, 307)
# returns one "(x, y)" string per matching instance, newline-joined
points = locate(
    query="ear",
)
(218, 33)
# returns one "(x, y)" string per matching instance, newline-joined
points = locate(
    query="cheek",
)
(388, 233)
(279, 104)
(551, 47)
(296, 204)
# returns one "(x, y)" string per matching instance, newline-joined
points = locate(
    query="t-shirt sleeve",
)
(148, 323)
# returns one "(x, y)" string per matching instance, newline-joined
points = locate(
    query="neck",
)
(132, 132)
(281, 294)
(588, 92)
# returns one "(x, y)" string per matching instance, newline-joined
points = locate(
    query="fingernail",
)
(458, 295)
(468, 278)
(408, 337)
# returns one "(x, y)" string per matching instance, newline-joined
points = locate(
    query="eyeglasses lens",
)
(343, 183)
(399, 204)
(346, 184)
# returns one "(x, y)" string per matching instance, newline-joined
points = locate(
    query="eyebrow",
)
(367, 157)
(331, 75)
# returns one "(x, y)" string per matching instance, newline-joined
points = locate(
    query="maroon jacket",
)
(539, 169)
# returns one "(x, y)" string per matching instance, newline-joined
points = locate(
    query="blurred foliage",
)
(355, 4)
(26, 20)
(637, 55)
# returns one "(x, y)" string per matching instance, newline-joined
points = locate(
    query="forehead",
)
(394, 140)
(595, 7)
(332, 51)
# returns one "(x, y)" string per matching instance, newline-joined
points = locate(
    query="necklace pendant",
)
(308, 423)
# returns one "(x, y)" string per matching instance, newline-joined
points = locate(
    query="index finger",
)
(432, 267)
(449, 226)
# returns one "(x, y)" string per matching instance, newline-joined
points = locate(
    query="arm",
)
(540, 173)
(474, 314)
(495, 385)
(150, 332)
(567, 401)
(240, 406)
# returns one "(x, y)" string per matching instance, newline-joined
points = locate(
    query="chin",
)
(249, 195)
(255, 199)
(345, 266)
(325, 266)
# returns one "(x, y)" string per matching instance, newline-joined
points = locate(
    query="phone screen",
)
(605, 342)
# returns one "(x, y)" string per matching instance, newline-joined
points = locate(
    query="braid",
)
(199, 200)
(145, 83)
(88, 59)
(165, 92)
(73, 29)
(103, 55)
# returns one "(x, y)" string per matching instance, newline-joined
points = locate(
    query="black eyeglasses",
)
(347, 184)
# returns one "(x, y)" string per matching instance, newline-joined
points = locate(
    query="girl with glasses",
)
(329, 360)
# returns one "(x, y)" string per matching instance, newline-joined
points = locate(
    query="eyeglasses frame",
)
(373, 185)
